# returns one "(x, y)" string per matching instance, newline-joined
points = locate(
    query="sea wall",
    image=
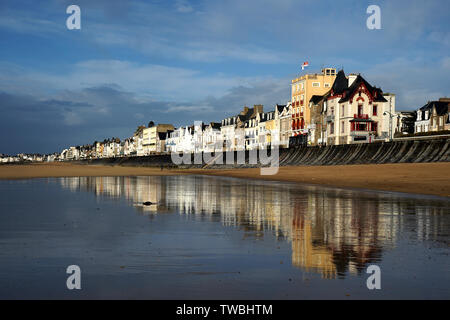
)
(404, 151)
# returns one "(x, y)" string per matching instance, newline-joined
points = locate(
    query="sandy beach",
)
(419, 178)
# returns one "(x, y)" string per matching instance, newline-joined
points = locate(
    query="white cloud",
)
(190, 108)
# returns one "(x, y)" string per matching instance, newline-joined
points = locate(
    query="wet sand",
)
(419, 178)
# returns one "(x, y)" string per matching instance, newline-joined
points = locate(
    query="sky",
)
(180, 61)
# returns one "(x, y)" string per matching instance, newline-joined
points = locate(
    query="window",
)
(316, 84)
(331, 128)
(342, 127)
(360, 110)
(342, 111)
(375, 110)
(361, 126)
(326, 85)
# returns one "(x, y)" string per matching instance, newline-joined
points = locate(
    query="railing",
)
(359, 132)
(430, 137)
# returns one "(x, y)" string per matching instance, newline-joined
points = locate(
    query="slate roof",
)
(377, 93)
(162, 135)
(215, 125)
(442, 108)
(315, 99)
(340, 83)
(280, 107)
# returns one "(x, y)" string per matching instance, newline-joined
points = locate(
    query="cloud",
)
(81, 115)
(414, 81)
(179, 61)
(197, 109)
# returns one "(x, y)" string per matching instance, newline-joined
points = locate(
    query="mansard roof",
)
(340, 83)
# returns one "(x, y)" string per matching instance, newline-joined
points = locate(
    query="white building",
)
(356, 112)
(212, 138)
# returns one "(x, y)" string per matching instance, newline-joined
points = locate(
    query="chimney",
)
(244, 111)
(258, 108)
(351, 78)
(444, 99)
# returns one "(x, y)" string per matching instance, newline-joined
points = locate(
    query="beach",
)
(417, 178)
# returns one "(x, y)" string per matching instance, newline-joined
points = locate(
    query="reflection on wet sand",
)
(332, 231)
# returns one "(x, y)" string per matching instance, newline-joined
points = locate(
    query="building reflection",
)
(332, 232)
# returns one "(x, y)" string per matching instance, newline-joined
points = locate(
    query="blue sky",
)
(180, 61)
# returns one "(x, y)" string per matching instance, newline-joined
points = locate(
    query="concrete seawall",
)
(405, 151)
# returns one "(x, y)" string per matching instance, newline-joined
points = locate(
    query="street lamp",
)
(390, 122)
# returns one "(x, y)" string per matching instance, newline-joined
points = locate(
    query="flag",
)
(305, 64)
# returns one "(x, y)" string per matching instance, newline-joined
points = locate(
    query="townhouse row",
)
(326, 108)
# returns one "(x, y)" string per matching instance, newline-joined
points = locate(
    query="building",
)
(129, 147)
(251, 126)
(302, 89)
(269, 132)
(318, 131)
(433, 117)
(161, 138)
(239, 131)
(357, 112)
(173, 140)
(212, 137)
(150, 136)
(283, 116)
(404, 123)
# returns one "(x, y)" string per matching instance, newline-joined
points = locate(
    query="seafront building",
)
(433, 116)
(357, 112)
(212, 138)
(152, 137)
(327, 108)
(302, 89)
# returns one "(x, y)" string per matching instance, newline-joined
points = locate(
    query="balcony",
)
(357, 128)
(361, 116)
(359, 132)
